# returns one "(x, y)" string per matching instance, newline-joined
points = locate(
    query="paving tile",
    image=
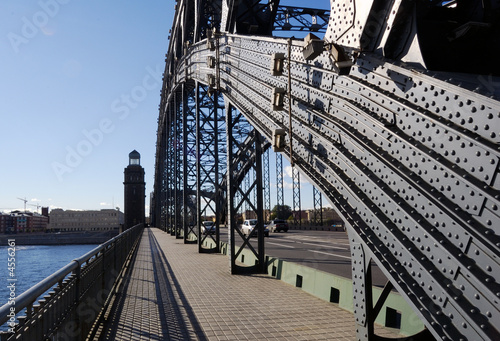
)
(185, 295)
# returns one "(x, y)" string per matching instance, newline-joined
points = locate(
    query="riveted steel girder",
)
(403, 156)
(406, 153)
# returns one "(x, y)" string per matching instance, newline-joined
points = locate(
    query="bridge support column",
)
(267, 190)
(190, 180)
(170, 173)
(280, 202)
(365, 311)
(177, 165)
(160, 195)
(244, 160)
(210, 165)
(362, 293)
(297, 210)
(318, 207)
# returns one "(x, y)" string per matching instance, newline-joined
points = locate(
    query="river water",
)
(32, 264)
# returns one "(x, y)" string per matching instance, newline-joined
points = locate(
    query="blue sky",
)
(79, 90)
(80, 87)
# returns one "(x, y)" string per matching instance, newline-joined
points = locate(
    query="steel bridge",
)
(391, 109)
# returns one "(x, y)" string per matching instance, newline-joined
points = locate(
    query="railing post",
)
(76, 299)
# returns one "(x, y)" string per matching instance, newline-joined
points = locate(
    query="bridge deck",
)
(175, 293)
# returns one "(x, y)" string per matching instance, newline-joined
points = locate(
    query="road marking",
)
(318, 242)
(330, 247)
(291, 247)
(330, 254)
(316, 239)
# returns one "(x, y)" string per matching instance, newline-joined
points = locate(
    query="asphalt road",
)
(323, 250)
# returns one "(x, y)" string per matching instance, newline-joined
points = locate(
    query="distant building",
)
(37, 223)
(7, 223)
(135, 191)
(73, 221)
(329, 216)
(22, 222)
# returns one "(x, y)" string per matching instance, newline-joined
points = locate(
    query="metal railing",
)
(78, 293)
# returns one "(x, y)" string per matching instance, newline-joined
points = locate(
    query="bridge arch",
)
(408, 157)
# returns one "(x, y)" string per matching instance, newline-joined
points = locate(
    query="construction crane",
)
(37, 206)
(25, 201)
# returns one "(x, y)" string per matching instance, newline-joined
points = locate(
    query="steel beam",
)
(318, 207)
(177, 162)
(267, 184)
(290, 18)
(246, 196)
(280, 202)
(297, 210)
(190, 182)
(210, 165)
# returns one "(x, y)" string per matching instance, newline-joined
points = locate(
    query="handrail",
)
(28, 298)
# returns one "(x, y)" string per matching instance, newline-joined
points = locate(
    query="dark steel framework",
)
(245, 193)
(267, 186)
(301, 19)
(190, 142)
(177, 164)
(211, 163)
(297, 210)
(280, 198)
(318, 207)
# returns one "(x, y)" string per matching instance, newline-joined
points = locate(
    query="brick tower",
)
(135, 191)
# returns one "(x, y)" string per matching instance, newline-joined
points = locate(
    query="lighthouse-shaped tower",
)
(135, 191)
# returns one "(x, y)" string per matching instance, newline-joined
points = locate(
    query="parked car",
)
(248, 228)
(278, 225)
(208, 227)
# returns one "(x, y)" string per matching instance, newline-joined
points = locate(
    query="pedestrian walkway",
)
(175, 293)
(135, 315)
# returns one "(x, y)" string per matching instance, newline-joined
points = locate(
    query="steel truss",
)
(157, 211)
(251, 196)
(178, 156)
(190, 162)
(171, 173)
(267, 184)
(318, 207)
(406, 154)
(280, 198)
(297, 210)
(339, 158)
(301, 19)
(211, 165)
